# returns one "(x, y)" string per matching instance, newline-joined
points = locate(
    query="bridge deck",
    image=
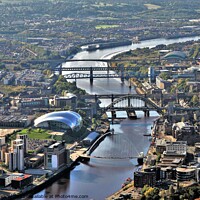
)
(113, 158)
(95, 68)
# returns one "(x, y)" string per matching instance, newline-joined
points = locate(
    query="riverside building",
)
(18, 148)
(25, 141)
(55, 156)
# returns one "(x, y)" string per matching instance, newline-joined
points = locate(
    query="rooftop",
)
(175, 55)
(182, 169)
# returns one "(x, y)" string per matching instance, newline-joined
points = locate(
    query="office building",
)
(144, 178)
(22, 181)
(55, 156)
(178, 147)
(12, 164)
(18, 148)
(25, 141)
(185, 174)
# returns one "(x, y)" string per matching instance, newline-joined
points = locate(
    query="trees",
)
(164, 75)
(150, 193)
(194, 101)
(62, 85)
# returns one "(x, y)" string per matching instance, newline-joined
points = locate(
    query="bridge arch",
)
(126, 103)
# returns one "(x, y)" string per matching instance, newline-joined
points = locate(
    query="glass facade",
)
(60, 121)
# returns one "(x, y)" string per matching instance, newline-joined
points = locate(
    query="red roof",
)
(20, 178)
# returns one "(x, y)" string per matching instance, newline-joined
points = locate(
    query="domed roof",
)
(70, 118)
(175, 55)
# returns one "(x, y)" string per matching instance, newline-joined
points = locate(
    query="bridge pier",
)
(83, 159)
(122, 74)
(146, 113)
(131, 114)
(108, 68)
(96, 104)
(91, 75)
(113, 114)
(60, 69)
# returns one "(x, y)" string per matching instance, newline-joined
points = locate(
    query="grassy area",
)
(7, 89)
(106, 26)
(101, 4)
(36, 133)
(152, 6)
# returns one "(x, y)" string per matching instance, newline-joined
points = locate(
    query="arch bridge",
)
(131, 103)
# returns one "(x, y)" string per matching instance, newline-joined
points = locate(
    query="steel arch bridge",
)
(134, 102)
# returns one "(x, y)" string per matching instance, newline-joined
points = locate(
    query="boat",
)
(114, 44)
(92, 47)
(135, 40)
(147, 134)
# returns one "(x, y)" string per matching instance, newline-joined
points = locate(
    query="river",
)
(101, 177)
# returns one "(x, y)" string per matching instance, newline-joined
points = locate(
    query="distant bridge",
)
(99, 60)
(133, 102)
(86, 157)
(60, 68)
(92, 76)
(122, 72)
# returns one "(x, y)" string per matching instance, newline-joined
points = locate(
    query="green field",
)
(152, 6)
(36, 133)
(106, 26)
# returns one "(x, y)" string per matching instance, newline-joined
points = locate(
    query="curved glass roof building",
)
(175, 55)
(60, 121)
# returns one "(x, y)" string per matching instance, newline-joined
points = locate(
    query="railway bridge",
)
(121, 71)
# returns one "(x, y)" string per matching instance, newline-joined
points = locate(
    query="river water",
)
(100, 178)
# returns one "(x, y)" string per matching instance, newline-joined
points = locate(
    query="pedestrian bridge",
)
(115, 151)
(85, 157)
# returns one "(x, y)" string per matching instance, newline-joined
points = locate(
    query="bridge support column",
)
(112, 98)
(146, 113)
(96, 104)
(108, 68)
(131, 114)
(83, 159)
(113, 116)
(60, 69)
(91, 75)
(130, 83)
(122, 74)
(129, 102)
(145, 103)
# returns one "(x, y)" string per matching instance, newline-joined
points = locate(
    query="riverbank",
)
(37, 186)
